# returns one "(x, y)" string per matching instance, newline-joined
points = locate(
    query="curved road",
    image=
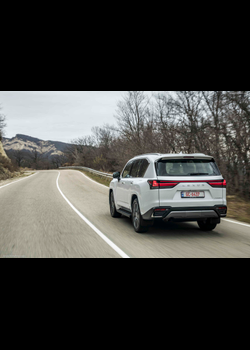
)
(66, 215)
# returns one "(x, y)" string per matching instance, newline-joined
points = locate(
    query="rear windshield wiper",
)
(193, 174)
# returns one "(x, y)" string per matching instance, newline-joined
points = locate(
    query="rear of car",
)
(190, 188)
(169, 187)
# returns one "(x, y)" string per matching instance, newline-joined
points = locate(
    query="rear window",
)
(187, 167)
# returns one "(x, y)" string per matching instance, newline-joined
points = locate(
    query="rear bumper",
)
(187, 213)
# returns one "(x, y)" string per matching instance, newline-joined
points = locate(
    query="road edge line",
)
(79, 171)
(237, 222)
(11, 183)
(106, 239)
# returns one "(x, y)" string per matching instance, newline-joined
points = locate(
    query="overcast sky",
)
(57, 115)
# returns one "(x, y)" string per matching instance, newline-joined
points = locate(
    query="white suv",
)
(169, 187)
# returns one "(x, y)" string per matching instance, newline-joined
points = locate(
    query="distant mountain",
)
(28, 144)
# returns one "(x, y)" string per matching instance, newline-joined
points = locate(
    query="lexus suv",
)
(169, 187)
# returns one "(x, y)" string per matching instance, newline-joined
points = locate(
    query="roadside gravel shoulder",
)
(20, 176)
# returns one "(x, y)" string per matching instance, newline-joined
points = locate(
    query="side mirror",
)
(116, 175)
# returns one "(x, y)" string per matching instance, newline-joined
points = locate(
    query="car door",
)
(129, 182)
(123, 185)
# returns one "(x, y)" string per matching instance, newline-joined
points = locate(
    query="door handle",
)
(132, 182)
(123, 183)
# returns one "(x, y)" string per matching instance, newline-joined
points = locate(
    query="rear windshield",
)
(187, 167)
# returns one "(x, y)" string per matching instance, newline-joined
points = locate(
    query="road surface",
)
(64, 214)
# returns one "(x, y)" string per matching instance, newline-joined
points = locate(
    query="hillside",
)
(2, 152)
(7, 170)
(28, 144)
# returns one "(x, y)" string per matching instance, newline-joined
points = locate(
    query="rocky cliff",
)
(28, 144)
(2, 151)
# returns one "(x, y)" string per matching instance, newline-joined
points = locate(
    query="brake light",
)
(218, 183)
(155, 184)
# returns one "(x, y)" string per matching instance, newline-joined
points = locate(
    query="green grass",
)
(238, 209)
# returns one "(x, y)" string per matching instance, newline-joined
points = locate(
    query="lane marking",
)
(89, 178)
(236, 222)
(11, 183)
(106, 239)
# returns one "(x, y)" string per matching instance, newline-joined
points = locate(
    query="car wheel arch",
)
(134, 196)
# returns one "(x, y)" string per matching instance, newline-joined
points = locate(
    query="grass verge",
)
(102, 180)
(238, 209)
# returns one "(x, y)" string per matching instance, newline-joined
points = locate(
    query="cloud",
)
(57, 115)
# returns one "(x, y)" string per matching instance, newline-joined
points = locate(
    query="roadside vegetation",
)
(102, 180)
(238, 209)
(7, 169)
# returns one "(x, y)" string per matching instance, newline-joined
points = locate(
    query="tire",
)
(113, 212)
(139, 224)
(206, 225)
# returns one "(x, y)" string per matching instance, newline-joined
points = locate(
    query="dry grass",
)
(238, 209)
(102, 180)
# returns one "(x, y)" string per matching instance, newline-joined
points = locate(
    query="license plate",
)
(192, 194)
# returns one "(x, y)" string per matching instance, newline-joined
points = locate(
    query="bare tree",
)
(18, 156)
(131, 116)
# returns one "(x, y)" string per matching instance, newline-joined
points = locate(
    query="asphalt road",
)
(48, 215)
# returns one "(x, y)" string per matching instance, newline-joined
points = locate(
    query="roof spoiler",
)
(184, 156)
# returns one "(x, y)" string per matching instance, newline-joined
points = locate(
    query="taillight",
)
(159, 212)
(155, 184)
(218, 183)
(222, 210)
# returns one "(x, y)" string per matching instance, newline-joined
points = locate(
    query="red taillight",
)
(153, 184)
(156, 184)
(218, 183)
(162, 184)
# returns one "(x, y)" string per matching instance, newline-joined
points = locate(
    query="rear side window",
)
(187, 167)
(135, 169)
(126, 172)
(139, 168)
(143, 167)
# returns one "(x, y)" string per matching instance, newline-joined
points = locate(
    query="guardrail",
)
(89, 170)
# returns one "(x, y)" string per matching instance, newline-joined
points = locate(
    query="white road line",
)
(107, 240)
(11, 183)
(236, 222)
(89, 178)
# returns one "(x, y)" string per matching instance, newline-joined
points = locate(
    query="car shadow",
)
(176, 229)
